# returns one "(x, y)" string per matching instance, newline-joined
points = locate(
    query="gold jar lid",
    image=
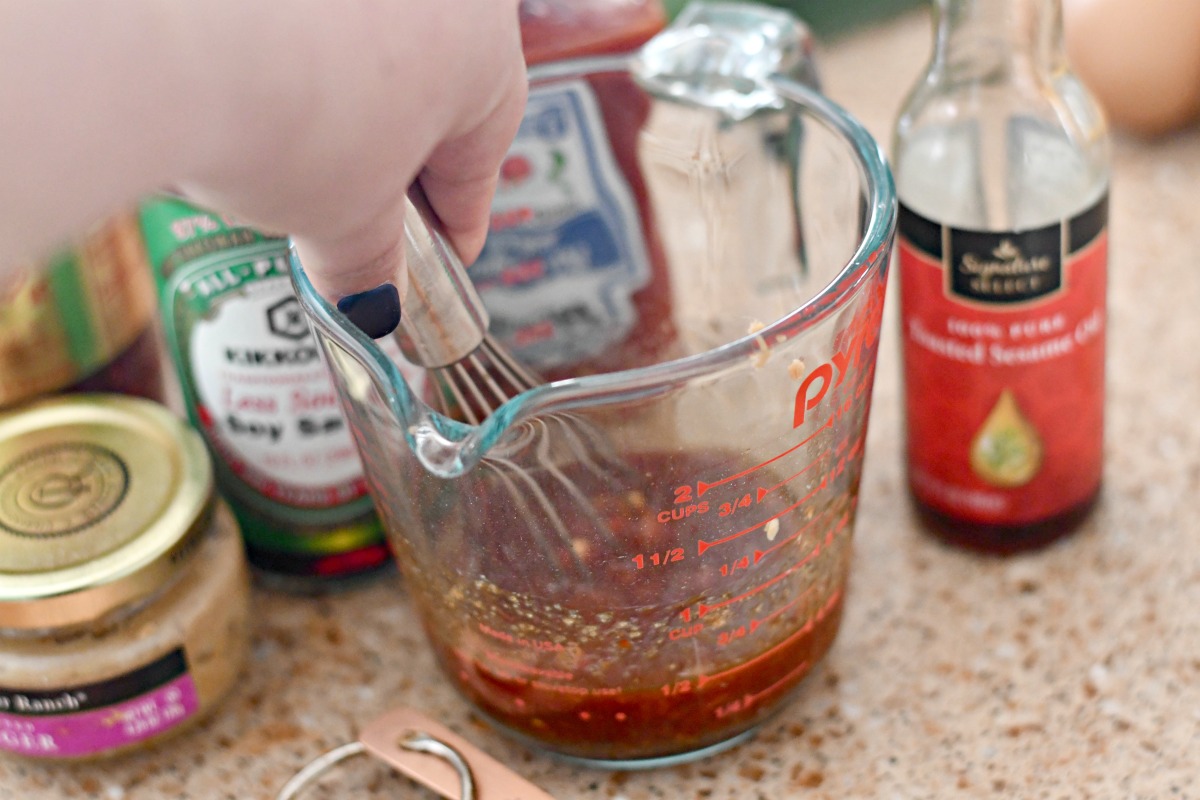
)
(100, 496)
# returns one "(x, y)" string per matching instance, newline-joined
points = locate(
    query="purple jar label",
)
(89, 719)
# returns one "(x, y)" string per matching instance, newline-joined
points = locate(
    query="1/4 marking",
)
(740, 564)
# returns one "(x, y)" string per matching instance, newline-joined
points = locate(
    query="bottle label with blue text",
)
(566, 251)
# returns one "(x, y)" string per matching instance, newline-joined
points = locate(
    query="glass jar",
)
(82, 321)
(124, 591)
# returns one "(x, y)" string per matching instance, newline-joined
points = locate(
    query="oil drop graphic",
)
(1006, 451)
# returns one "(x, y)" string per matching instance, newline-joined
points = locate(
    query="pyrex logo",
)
(860, 338)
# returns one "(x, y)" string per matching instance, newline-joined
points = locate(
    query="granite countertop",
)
(1070, 673)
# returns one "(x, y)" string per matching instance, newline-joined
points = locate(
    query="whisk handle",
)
(444, 319)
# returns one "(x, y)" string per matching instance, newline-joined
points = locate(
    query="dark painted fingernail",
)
(376, 311)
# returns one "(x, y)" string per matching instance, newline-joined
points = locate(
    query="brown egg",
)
(1141, 59)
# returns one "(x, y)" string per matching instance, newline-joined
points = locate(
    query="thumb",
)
(363, 273)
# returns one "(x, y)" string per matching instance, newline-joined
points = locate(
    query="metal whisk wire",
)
(445, 329)
(490, 368)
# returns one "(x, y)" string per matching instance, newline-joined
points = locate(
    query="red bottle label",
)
(1003, 341)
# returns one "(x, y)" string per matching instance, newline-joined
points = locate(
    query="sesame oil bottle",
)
(1002, 172)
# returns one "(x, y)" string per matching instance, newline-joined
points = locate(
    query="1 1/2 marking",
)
(656, 559)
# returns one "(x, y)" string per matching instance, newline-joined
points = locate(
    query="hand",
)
(395, 91)
(306, 117)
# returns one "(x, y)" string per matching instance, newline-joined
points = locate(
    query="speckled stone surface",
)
(1070, 673)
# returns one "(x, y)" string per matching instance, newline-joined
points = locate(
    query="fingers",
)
(459, 179)
(339, 188)
(359, 261)
(460, 176)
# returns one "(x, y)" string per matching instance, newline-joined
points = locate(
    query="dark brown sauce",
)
(669, 633)
(648, 721)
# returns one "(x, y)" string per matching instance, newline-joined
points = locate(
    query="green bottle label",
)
(70, 317)
(255, 385)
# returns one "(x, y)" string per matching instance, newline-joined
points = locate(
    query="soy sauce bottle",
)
(253, 383)
(1002, 171)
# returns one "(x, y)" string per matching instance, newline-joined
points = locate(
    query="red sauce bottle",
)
(553, 30)
(574, 275)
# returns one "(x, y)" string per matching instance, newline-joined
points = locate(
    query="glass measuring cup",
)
(639, 566)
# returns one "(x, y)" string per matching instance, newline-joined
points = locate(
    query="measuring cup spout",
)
(385, 398)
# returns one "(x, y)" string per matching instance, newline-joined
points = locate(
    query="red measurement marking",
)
(704, 609)
(808, 626)
(764, 492)
(694, 629)
(702, 487)
(702, 545)
(748, 700)
(757, 623)
(671, 556)
(725, 637)
(759, 555)
(503, 636)
(499, 670)
(843, 523)
(679, 687)
(740, 564)
(528, 669)
(816, 551)
(800, 668)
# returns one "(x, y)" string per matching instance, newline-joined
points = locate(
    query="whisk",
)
(444, 328)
